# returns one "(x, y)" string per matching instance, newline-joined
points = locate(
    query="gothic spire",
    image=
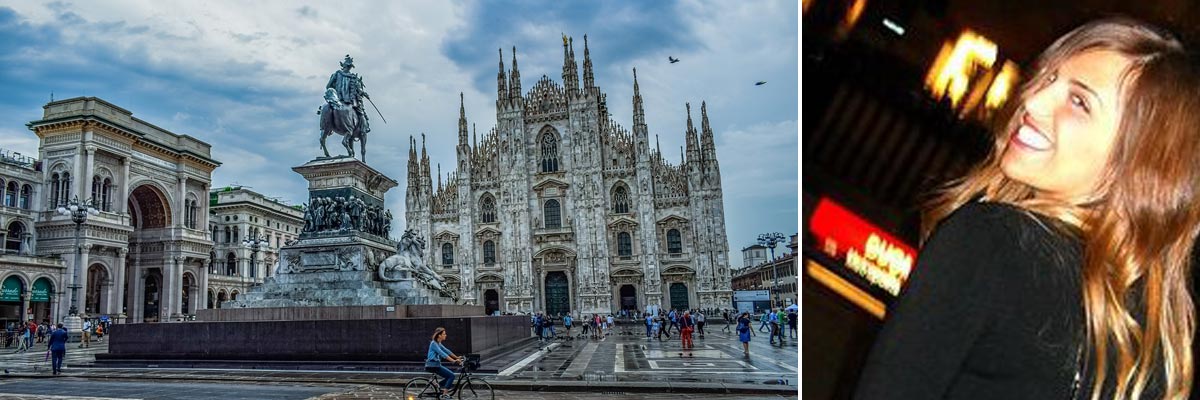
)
(514, 79)
(693, 150)
(412, 160)
(657, 145)
(639, 114)
(706, 135)
(439, 169)
(424, 159)
(462, 121)
(501, 84)
(569, 75)
(589, 81)
(474, 137)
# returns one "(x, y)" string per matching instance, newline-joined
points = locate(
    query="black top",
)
(991, 311)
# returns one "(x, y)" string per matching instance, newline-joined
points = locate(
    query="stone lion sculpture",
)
(408, 258)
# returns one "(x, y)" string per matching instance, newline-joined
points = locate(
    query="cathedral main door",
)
(558, 293)
(679, 296)
(491, 301)
(628, 298)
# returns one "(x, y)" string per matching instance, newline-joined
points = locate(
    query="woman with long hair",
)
(438, 353)
(1059, 267)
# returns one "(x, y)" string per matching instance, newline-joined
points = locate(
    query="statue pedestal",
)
(335, 262)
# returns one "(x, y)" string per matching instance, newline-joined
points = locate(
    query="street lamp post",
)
(79, 212)
(769, 240)
(255, 244)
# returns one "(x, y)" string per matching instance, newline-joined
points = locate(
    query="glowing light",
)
(804, 5)
(951, 73)
(846, 289)
(855, 12)
(1001, 86)
(894, 27)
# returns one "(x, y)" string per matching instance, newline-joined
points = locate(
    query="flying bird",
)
(760, 83)
(672, 59)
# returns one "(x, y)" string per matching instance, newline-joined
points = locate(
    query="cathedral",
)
(561, 210)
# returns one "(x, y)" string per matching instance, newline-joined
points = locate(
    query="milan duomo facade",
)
(559, 209)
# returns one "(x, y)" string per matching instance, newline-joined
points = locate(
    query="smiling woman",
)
(1059, 267)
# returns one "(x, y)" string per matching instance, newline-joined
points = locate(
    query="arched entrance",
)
(148, 208)
(491, 301)
(679, 296)
(97, 289)
(221, 298)
(10, 300)
(149, 214)
(152, 294)
(628, 298)
(558, 293)
(40, 297)
(211, 298)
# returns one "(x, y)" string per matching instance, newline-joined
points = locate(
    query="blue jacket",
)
(58, 339)
(437, 353)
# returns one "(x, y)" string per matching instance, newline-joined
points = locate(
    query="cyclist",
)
(433, 360)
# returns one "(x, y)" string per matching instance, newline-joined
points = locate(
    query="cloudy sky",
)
(248, 78)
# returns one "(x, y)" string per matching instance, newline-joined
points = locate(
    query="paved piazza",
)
(622, 365)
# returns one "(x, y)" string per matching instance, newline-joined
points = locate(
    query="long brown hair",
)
(1139, 226)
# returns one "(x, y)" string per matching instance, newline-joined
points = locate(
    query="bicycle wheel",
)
(476, 389)
(419, 388)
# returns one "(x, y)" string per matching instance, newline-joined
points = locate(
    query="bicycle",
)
(465, 386)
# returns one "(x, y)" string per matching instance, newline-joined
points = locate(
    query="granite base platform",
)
(390, 339)
(339, 312)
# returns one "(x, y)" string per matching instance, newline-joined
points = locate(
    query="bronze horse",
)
(341, 119)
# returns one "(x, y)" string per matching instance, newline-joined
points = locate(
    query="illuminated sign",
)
(964, 71)
(866, 249)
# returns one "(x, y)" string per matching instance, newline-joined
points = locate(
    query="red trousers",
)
(686, 335)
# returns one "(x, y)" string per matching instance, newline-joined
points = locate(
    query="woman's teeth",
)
(1032, 138)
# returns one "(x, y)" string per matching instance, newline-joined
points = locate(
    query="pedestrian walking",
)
(674, 317)
(649, 325)
(781, 323)
(22, 343)
(567, 324)
(773, 319)
(765, 320)
(700, 323)
(656, 326)
(58, 348)
(743, 329)
(610, 324)
(686, 326)
(792, 322)
(87, 335)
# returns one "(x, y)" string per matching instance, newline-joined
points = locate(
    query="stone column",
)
(89, 170)
(77, 174)
(124, 200)
(173, 288)
(116, 306)
(203, 287)
(84, 263)
(136, 295)
(25, 295)
(180, 208)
